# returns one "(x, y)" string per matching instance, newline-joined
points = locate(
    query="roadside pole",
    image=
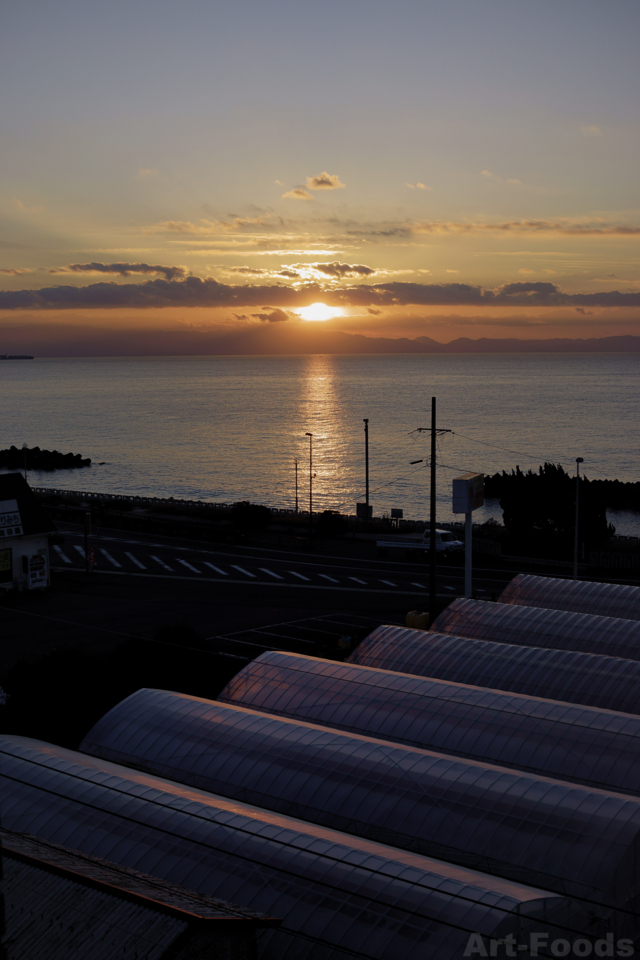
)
(468, 554)
(432, 512)
(468, 495)
(87, 533)
(432, 519)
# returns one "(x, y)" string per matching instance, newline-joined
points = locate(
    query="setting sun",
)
(319, 311)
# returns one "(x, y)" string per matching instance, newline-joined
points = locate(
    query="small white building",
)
(24, 536)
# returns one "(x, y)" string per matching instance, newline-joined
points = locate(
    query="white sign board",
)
(468, 492)
(10, 522)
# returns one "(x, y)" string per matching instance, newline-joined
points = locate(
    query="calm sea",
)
(230, 428)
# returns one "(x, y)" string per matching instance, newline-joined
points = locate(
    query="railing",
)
(87, 496)
(621, 561)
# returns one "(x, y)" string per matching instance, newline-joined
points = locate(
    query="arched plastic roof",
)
(339, 896)
(541, 627)
(566, 837)
(586, 678)
(571, 742)
(580, 596)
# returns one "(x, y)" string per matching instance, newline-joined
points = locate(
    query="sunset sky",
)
(441, 169)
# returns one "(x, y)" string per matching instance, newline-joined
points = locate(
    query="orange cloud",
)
(298, 193)
(325, 181)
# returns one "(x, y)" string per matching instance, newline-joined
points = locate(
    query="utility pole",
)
(296, 464)
(579, 460)
(87, 532)
(432, 513)
(310, 435)
(366, 463)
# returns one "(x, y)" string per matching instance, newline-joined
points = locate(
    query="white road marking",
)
(61, 554)
(271, 573)
(135, 560)
(162, 564)
(217, 569)
(326, 577)
(105, 553)
(388, 583)
(242, 570)
(421, 585)
(189, 567)
(363, 582)
(80, 550)
(300, 575)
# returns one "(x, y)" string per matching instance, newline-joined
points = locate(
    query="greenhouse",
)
(541, 627)
(586, 678)
(339, 896)
(572, 742)
(566, 837)
(579, 596)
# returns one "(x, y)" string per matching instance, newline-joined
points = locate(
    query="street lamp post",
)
(296, 465)
(366, 463)
(310, 435)
(25, 448)
(579, 460)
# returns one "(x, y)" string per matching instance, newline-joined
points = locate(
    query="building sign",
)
(6, 566)
(468, 492)
(37, 571)
(10, 522)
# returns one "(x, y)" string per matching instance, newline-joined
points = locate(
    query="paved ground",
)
(142, 583)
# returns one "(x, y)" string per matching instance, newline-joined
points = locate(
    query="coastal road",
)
(137, 555)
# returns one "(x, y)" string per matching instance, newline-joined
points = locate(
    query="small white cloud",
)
(525, 270)
(453, 271)
(591, 131)
(279, 182)
(422, 186)
(147, 172)
(512, 181)
(550, 271)
(410, 185)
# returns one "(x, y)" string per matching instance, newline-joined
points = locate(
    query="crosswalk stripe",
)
(300, 575)
(217, 569)
(242, 570)
(388, 583)
(364, 582)
(135, 560)
(105, 553)
(162, 564)
(189, 567)
(62, 555)
(326, 577)
(80, 550)
(271, 573)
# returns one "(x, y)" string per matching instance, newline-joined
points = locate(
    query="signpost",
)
(468, 495)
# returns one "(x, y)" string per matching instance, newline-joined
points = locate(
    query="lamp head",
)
(579, 459)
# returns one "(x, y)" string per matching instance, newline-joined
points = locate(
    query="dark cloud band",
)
(195, 292)
(124, 269)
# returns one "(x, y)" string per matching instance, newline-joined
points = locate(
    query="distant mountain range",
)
(71, 340)
(624, 344)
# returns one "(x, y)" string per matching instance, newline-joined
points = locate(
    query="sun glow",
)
(319, 311)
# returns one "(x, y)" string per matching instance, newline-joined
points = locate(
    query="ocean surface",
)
(230, 428)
